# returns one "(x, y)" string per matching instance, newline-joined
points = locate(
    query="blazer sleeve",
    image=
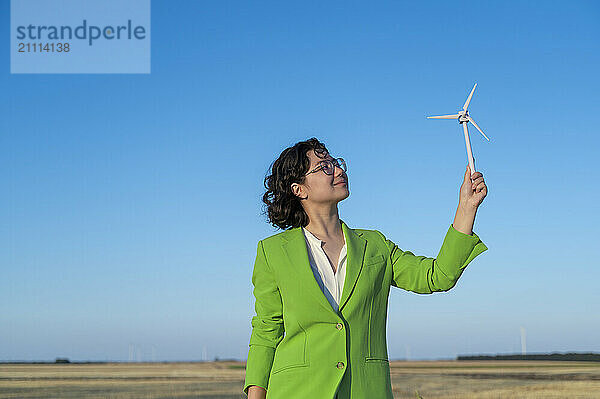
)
(424, 275)
(267, 324)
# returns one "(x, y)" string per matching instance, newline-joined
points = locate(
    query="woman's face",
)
(320, 187)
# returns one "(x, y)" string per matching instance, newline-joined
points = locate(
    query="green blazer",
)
(301, 348)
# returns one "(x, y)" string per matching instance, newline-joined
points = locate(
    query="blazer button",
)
(340, 365)
(339, 326)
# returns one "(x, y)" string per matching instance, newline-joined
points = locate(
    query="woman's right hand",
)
(256, 392)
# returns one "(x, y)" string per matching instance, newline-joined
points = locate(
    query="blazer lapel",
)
(297, 253)
(355, 253)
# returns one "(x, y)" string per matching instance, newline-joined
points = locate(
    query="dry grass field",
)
(224, 380)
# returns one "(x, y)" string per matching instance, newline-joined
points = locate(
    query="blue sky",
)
(130, 209)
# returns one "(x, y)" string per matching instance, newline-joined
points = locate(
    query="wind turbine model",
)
(464, 118)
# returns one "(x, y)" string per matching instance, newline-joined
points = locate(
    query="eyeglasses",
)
(329, 165)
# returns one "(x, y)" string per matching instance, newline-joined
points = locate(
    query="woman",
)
(321, 288)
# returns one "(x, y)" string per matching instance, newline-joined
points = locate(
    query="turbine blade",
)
(475, 124)
(455, 116)
(469, 99)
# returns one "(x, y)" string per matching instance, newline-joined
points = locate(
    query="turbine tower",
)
(463, 118)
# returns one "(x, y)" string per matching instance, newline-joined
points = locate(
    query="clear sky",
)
(130, 208)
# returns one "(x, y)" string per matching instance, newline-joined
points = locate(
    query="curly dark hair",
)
(283, 208)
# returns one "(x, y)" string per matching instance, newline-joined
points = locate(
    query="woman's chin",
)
(345, 196)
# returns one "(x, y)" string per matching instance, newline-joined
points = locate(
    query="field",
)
(224, 380)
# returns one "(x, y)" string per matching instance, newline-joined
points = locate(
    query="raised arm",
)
(424, 275)
(267, 324)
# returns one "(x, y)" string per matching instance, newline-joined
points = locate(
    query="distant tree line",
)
(579, 357)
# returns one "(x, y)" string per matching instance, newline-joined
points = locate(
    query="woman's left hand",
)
(473, 192)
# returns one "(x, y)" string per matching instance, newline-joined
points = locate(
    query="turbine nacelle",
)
(463, 116)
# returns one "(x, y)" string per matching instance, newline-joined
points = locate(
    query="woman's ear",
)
(298, 191)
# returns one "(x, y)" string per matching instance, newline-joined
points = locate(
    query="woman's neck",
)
(325, 226)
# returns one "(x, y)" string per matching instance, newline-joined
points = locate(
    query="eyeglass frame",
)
(339, 163)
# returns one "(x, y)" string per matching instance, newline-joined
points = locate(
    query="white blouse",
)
(332, 284)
